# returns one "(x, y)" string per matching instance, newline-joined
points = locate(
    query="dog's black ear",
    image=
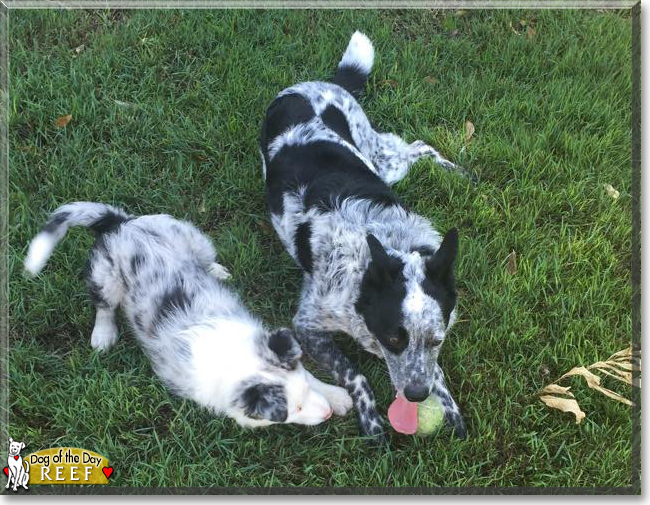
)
(377, 251)
(285, 347)
(265, 401)
(441, 265)
(383, 267)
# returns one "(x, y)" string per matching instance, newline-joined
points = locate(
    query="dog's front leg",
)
(453, 417)
(320, 346)
(14, 475)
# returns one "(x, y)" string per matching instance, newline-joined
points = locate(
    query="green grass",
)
(166, 108)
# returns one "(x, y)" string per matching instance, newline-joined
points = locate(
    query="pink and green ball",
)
(430, 416)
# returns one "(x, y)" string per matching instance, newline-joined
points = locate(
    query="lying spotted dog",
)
(372, 269)
(201, 340)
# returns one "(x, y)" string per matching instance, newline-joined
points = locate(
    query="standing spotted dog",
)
(372, 269)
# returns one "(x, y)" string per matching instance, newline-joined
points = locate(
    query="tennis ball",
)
(430, 416)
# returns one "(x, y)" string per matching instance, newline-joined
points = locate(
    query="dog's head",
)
(280, 391)
(15, 447)
(408, 303)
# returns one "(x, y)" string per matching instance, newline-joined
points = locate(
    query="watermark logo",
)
(58, 465)
(17, 474)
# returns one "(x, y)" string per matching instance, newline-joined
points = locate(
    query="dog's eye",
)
(299, 408)
(394, 341)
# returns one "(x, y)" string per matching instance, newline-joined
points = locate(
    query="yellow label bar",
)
(67, 465)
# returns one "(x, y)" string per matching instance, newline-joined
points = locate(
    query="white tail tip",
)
(359, 53)
(40, 250)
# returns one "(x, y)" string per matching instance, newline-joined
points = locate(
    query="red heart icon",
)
(108, 471)
(6, 469)
(16, 457)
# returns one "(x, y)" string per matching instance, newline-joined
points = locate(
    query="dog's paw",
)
(455, 422)
(219, 271)
(339, 400)
(371, 426)
(103, 337)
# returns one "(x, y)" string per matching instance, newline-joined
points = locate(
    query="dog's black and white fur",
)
(201, 340)
(372, 269)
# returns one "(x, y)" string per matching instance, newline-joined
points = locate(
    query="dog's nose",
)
(416, 393)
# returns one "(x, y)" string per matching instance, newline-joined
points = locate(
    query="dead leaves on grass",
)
(62, 121)
(563, 404)
(527, 27)
(618, 366)
(390, 82)
(611, 191)
(469, 130)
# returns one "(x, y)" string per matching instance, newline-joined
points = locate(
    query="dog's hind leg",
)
(453, 417)
(202, 249)
(107, 286)
(320, 346)
(105, 331)
(392, 157)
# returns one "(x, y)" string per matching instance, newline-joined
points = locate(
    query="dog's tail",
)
(97, 216)
(356, 64)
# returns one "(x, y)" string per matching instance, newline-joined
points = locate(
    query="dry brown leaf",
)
(613, 365)
(512, 263)
(530, 32)
(616, 366)
(513, 29)
(565, 405)
(80, 48)
(625, 353)
(469, 130)
(392, 83)
(430, 79)
(612, 192)
(625, 366)
(62, 121)
(556, 389)
(593, 381)
(265, 227)
(522, 22)
(460, 13)
(618, 375)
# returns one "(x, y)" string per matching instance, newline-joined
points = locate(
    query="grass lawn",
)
(166, 108)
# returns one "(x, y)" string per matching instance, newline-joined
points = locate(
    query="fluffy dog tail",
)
(356, 64)
(97, 216)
